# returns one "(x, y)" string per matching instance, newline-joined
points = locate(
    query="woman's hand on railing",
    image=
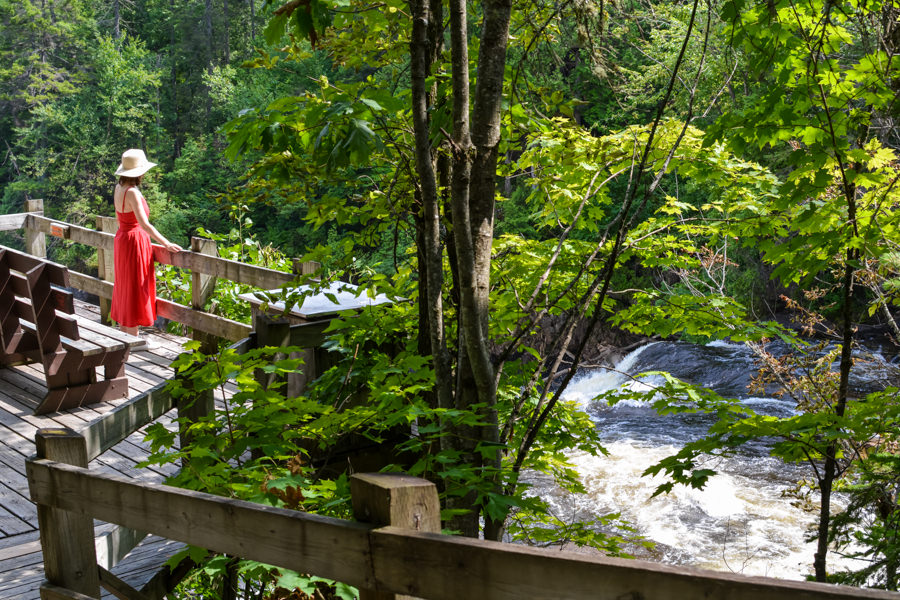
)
(172, 247)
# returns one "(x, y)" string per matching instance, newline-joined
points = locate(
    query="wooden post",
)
(396, 500)
(270, 331)
(105, 264)
(202, 287)
(35, 241)
(67, 539)
(305, 268)
(312, 366)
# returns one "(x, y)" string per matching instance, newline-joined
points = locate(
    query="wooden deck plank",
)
(27, 424)
(11, 524)
(29, 562)
(123, 456)
(22, 575)
(16, 501)
(21, 389)
(13, 546)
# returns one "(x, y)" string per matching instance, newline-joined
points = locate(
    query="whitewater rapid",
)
(743, 521)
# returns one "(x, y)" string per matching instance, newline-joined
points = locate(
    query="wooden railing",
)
(73, 559)
(201, 260)
(393, 550)
(391, 553)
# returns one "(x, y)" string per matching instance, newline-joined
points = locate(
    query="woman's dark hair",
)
(130, 180)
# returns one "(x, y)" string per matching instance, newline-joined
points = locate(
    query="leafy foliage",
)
(655, 159)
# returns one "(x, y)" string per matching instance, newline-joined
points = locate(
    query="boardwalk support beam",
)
(54, 592)
(119, 588)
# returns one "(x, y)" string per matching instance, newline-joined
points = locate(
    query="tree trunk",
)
(486, 138)
(252, 19)
(830, 468)
(210, 52)
(176, 150)
(425, 47)
(431, 270)
(227, 28)
(230, 581)
(423, 344)
(465, 395)
(472, 200)
(889, 42)
(117, 33)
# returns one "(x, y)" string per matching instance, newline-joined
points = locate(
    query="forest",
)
(538, 185)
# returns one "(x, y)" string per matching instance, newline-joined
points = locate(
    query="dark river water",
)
(743, 521)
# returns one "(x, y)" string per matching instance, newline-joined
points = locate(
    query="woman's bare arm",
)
(132, 201)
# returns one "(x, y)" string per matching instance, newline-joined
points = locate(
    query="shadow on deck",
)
(21, 567)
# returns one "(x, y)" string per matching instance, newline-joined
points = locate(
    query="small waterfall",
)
(742, 521)
(584, 388)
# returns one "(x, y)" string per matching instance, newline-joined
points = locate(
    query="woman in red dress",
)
(134, 291)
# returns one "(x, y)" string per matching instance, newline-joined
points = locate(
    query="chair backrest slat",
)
(9, 317)
(56, 273)
(44, 311)
(31, 288)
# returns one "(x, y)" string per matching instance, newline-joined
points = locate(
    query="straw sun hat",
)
(134, 164)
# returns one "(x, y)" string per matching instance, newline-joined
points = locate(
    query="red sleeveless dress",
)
(134, 291)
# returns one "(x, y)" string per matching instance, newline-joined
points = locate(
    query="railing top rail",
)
(202, 264)
(391, 559)
(222, 268)
(109, 429)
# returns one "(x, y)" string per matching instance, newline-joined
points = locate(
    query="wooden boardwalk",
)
(21, 569)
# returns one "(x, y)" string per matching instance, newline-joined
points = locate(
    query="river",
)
(743, 521)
